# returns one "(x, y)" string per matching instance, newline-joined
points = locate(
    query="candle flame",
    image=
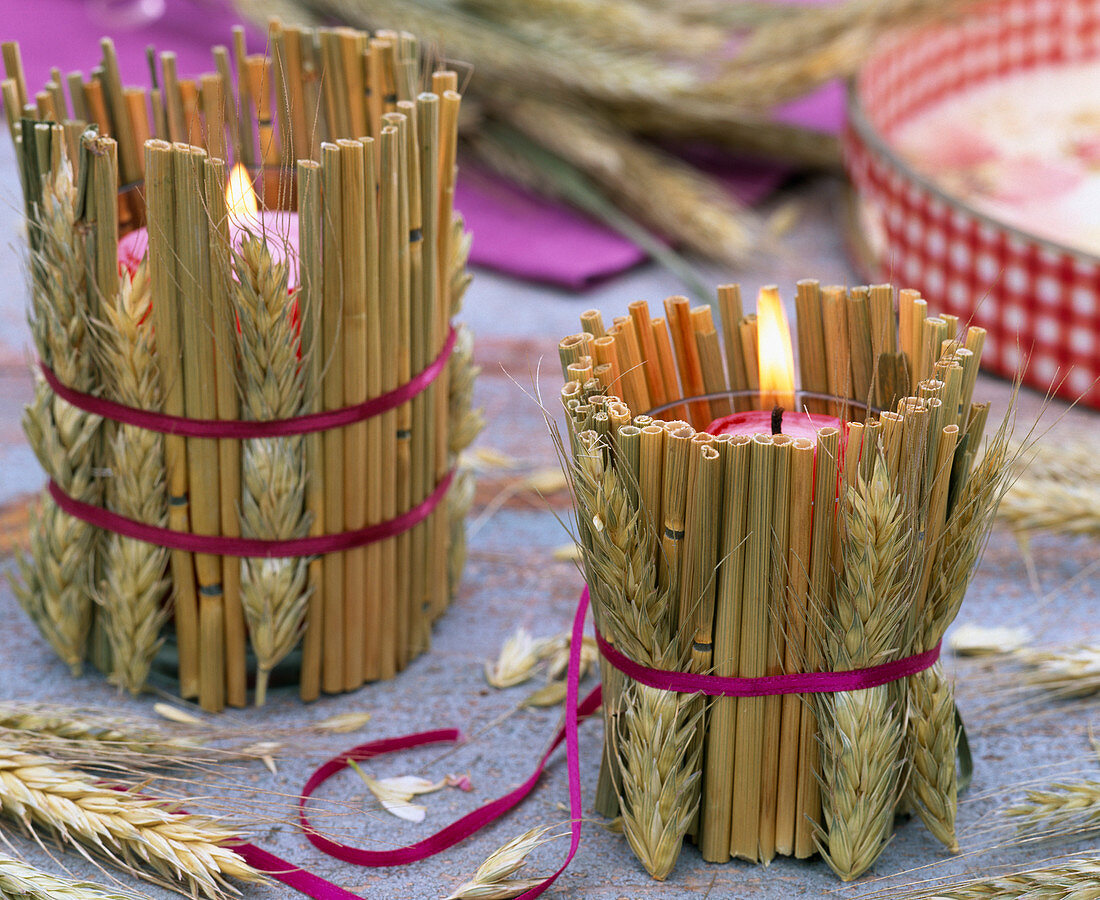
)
(240, 197)
(774, 351)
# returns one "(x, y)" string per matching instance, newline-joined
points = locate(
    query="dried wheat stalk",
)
(666, 195)
(641, 73)
(1075, 879)
(654, 732)
(1057, 489)
(58, 576)
(932, 784)
(133, 590)
(149, 838)
(491, 880)
(861, 732)
(20, 881)
(274, 592)
(1062, 809)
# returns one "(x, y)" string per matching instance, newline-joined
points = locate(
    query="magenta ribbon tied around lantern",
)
(242, 430)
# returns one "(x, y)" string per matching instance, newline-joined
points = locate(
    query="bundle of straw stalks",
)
(751, 554)
(602, 89)
(231, 318)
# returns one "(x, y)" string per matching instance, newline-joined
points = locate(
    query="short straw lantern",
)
(772, 570)
(250, 408)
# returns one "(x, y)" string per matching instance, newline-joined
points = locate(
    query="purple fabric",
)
(515, 232)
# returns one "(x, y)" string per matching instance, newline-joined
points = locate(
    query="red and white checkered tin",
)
(1039, 301)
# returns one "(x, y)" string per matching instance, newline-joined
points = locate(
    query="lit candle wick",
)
(777, 419)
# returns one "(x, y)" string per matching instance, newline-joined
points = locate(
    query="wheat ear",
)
(274, 592)
(654, 732)
(1059, 810)
(20, 881)
(491, 881)
(862, 732)
(1076, 879)
(465, 425)
(932, 784)
(147, 837)
(87, 726)
(58, 576)
(1065, 672)
(133, 591)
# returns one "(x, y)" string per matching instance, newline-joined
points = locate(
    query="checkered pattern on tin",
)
(1040, 304)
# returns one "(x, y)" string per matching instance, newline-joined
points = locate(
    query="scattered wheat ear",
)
(491, 881)
(1077, 879)
(1059, 810)
(19, 881)
(1067, 672)
(147, 837)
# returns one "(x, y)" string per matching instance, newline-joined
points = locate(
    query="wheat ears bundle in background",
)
(235, 317)
(580, 101)
(753, 554)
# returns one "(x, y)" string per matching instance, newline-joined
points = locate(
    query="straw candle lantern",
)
(273, 446)
(796, 559)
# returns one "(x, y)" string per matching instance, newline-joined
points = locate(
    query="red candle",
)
(759, 421)
(278, 227)
(776, 374)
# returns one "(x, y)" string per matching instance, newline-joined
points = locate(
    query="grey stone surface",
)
(512, 580)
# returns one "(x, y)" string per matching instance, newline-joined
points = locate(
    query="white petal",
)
(410, 812)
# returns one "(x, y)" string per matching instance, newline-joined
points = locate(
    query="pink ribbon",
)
(243, 430)
(459, 830)
(221, 545)
(767, 685)
(575, 712)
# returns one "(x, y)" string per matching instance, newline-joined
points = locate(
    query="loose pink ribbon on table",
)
(575, 712)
